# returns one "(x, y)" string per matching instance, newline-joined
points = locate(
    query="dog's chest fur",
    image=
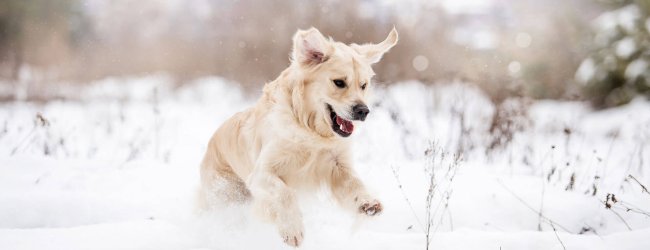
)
(310, 165)
(301, 162)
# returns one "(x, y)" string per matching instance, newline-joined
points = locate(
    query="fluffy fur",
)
(289, 140)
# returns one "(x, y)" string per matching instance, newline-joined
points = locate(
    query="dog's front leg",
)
(276, 202)
(349, 191)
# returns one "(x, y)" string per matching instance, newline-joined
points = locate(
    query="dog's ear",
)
(374, 52)
(310, 47)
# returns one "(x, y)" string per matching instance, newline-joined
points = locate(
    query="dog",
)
(295, 137)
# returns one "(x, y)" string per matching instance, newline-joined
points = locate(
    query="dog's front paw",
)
(370, 208)
(292, 236)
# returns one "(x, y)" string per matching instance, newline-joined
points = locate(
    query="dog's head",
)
(336, 79)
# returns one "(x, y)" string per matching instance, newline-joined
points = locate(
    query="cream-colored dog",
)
(294, 138)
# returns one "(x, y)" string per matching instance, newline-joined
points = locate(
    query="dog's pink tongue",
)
(347, 126)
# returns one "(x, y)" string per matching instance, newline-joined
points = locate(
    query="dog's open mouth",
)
(341, 126)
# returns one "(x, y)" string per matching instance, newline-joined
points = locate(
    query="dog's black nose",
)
(360, 111)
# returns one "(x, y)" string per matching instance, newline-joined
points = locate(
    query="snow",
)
(628, 17)
(612, 25)
(586, 71)
(116, 167)
(636, 68)
(625, 17)
(625, 47)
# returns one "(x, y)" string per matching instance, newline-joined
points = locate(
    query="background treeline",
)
(513, 47)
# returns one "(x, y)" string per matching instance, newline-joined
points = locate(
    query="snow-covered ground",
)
(116, 167)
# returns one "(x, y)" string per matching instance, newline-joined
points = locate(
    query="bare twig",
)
(611, 200)
(530, 207)
(40, 122)
(643, 188)
(632, 208)
(549, 221)
(557, 236)
(621, 218)
(401, 189)
(446, 194)
(615, 135)
(437, 159)
(541, 204)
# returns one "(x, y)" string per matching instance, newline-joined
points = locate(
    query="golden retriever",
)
(295, 137)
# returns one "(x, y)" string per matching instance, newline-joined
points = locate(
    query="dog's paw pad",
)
(371, 208)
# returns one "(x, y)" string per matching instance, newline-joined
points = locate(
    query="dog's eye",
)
(363, 87)
(339, 83)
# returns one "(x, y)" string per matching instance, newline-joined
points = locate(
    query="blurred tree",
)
(27, 25)
(508, 48)
(11, 16)
(617, 68)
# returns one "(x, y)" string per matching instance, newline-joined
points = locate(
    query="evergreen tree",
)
(618, 67)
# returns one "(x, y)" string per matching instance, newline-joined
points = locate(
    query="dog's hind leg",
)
(220, 186)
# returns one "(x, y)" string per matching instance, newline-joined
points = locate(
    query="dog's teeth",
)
(341, 127)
